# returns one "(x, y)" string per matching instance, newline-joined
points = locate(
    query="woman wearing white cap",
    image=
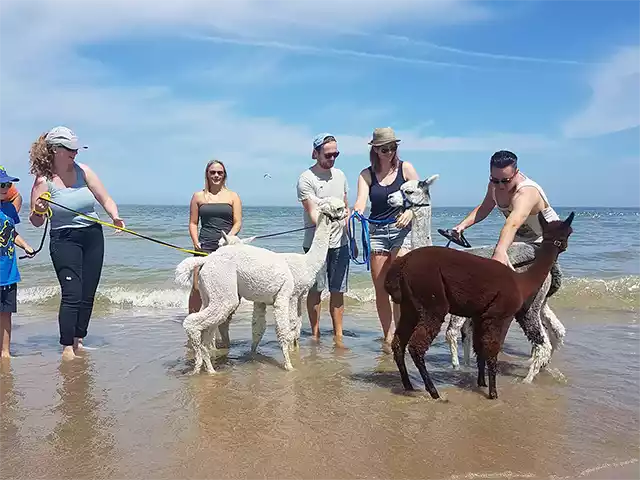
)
(76, 243)
(388, 238)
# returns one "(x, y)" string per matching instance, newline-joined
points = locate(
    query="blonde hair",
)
(207, 187)
(41, 158)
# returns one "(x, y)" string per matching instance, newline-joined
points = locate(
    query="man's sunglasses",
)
(331, 155)
(497, 181)
(6, 184)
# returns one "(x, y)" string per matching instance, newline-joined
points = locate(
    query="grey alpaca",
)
(535, 318)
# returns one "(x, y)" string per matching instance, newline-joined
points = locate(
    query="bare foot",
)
(68, 354)
(386, 347)
(77, 345)
(5, 355)
(315, 338)
(339, 342)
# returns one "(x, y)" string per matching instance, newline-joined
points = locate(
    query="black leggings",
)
(77, 255)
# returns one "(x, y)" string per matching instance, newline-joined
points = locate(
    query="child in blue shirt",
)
(9, 274)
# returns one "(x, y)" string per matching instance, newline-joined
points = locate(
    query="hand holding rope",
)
(366, 237)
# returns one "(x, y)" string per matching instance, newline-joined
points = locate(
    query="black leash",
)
(284, 233)
(44, 234)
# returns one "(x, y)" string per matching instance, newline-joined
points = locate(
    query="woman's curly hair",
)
(41, 158)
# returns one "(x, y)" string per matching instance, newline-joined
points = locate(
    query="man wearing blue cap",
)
(9, 274)
(324, 180)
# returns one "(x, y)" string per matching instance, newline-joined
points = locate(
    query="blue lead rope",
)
(366, 237)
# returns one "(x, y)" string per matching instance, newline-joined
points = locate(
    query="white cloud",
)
(614, 105)
(150, 143)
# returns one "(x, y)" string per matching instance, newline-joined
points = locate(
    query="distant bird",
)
(266, 175)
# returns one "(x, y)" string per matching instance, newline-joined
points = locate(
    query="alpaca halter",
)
(406, 203)
(559, 244)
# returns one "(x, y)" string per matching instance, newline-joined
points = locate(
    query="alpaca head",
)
(331, 207)
(233, 240)
(556, 232)
(413, 194)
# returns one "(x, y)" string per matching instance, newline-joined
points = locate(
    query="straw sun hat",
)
(383, 136)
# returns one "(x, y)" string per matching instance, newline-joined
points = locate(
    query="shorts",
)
(9, 298)
(386, 237)
(334, 273)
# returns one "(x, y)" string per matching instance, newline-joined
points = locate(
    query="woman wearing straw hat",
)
(384, 176)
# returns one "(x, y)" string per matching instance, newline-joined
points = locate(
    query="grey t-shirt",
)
(332, 183)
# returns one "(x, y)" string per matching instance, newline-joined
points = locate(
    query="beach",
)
(128, 409)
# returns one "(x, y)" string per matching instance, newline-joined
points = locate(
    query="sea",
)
(127, 408)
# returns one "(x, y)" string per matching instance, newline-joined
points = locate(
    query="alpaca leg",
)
(477, 347)
(492, 367)
(295, 312)
(258, 324)
(531, 323)
(419, 343)
(553, 324)
(467, 332)
(208, 340)
(399, 343)
(492, 338)
(455, 324)
(283, 324)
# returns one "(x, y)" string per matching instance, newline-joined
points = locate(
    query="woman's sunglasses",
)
(6, 184)
(388, 148)
(213, 173)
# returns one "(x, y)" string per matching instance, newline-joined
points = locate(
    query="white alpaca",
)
(534, 318)
(226, 276)
(304, 266)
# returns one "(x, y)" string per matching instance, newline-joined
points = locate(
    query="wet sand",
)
(126, 409)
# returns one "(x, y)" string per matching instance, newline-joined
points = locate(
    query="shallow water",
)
(127, 409)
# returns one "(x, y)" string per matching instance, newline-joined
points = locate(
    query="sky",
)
(156, 89)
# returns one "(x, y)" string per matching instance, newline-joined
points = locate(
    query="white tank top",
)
(531, 230)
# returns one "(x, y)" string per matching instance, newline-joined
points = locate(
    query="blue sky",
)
(157, 89)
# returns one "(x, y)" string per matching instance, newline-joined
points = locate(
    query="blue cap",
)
(318, 140)
(6, 178)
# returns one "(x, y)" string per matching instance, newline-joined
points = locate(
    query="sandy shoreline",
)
(127, 409)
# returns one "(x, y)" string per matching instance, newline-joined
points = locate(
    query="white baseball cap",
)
(63, 136)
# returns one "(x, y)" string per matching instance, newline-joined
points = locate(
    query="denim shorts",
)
(335, 271)
(387, 237)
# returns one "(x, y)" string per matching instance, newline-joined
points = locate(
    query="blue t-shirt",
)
(9, 273)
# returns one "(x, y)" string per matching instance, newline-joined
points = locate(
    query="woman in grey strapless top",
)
(217, 209)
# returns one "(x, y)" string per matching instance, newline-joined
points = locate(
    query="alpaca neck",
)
(531, 280)
(317, 254)
(421, 227)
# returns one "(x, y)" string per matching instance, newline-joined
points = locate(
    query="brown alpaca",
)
(430, 282)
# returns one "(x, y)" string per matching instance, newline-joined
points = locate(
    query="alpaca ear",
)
(569, 219)
(424, 184)
(542, 220)
(432, 179)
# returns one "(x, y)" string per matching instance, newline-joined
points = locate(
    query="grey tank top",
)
(77, 197)
(214, 219)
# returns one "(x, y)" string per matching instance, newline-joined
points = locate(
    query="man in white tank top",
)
(519, 198)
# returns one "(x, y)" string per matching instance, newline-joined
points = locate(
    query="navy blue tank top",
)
(380, 209)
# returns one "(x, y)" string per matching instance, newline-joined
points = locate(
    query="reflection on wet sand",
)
(10, 441)
(128, 410)
(81, 443)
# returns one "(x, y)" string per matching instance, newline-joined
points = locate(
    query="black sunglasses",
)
(496, 181)
(389, 148)
(6, 184)
(330, 155)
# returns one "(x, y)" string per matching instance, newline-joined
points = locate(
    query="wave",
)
(618, 294)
